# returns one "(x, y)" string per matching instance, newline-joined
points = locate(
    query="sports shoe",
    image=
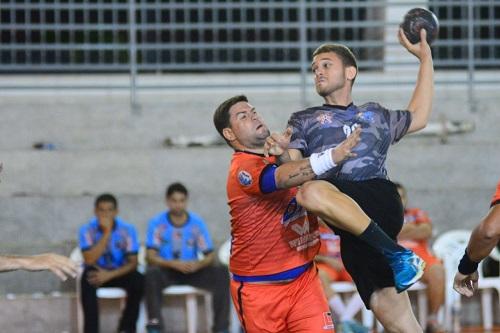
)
(407, 268)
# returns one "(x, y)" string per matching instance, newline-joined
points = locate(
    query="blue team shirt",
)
(180, 243)
(122, 242)
(318, 128)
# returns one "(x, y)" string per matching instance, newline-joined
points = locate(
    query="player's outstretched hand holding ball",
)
(417, 19)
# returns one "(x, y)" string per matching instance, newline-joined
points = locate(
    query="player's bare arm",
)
(421, 101)
(62, 266)
(101, 276)
(483, 239)
(93, 254)
(420, 231)
(296, 173)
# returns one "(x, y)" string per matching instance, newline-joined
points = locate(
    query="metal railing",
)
(140, 36)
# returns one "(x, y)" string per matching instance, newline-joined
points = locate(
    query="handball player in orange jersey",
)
(274, 283)
(483, 239)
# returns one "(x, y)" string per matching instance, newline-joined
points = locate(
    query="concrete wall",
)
(47, 195)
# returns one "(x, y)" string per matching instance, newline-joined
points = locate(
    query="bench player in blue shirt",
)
(109, 247)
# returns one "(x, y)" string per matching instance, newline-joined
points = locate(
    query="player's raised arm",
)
(421, 101)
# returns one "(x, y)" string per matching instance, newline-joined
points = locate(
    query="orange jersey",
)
(330, 247)
(270, 232)
(496, 196)
(330, 242)
(416, 216)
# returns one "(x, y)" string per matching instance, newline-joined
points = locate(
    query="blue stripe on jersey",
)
(268, 180)
(290, 274)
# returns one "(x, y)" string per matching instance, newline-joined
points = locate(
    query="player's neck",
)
(259, 151)
(240, 147)
(338, 98)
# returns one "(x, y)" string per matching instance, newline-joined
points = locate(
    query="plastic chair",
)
(103, 293)
(450, 246)
(191, 294)
(349, 288)
(420, 289)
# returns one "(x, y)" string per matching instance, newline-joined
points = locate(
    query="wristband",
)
(466, 265)
(322, 162)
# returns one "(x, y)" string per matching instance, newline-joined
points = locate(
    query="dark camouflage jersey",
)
(318, 128)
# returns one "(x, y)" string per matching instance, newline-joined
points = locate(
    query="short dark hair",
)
(176, 187)
(106, 197)
(343, 52)
(221, 114)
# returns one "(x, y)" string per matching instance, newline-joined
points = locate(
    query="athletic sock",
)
(378, 239)
(337, 305)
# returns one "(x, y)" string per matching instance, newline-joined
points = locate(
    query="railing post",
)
(303, 53)
(134, 106)
(471, 96)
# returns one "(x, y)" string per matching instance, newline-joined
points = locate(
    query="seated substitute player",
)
(264, 214)
(109, 247)
(175, 238)
(415, 235)
(483, 239)
(364, 178)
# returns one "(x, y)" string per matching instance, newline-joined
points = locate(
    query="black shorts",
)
(380, 200)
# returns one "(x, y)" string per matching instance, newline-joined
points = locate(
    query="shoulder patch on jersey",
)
(245, 178)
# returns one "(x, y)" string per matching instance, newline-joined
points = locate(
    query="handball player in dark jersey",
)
(364, 178)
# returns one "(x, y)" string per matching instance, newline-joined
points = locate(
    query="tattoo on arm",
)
(302, 172)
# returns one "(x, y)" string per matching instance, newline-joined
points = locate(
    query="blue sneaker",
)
(407, 269)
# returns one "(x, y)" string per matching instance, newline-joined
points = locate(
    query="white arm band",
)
(322, 162)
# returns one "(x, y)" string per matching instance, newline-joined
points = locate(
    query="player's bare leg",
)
(394, 311)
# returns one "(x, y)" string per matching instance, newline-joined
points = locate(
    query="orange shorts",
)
(334, 274)
(297, 306)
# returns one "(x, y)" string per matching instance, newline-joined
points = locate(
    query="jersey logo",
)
(301, 229)
(328, 321)
(325, 119)
(293, 211)
(244, 178)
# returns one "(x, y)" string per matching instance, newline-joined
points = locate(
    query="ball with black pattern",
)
(417, 19)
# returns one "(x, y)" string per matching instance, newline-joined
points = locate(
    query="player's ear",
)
(350, 72)
(228, 134)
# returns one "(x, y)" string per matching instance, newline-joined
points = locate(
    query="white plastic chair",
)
(421, 290)
(450, 246)
(104, 292)
(191, 294)
(349, 289)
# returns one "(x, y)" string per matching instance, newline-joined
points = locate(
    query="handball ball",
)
(417, 19)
